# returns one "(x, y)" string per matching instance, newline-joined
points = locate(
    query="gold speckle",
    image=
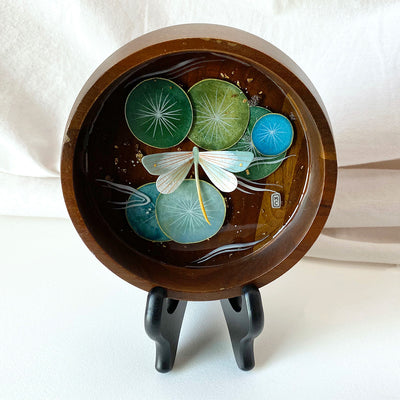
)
(241, 165)
(244, 100)
(115, 160)
(260, 92)
(154, 165)
(116, 147)
(222, 75)
(238, 83)
(139, 156)
(249, 80)
(247, 172)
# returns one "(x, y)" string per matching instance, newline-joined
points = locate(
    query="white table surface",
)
(70, 329)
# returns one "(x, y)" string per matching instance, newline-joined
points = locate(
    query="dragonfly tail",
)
(196, 175)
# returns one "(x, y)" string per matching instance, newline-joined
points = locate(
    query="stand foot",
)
(245, 319)
(163, 321)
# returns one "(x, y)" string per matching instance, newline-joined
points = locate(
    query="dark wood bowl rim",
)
(208, 283)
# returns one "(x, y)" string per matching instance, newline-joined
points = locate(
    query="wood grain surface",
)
(99, 145)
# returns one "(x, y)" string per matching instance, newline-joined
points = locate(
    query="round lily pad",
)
(159, 113)
(179, 214)
(272, 134)
(261, 166)
(221, 114)
(142, 218)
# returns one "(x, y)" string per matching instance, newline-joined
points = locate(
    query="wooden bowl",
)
(263, 241)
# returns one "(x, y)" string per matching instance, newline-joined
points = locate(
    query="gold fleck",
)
(222, 74)
(115, 160)
(260, 92)
(154, 165)
(249, 80)
(115, 146)
(244, 100)
(238, 83)
(241, 165)
(247, 172)
(139, 156)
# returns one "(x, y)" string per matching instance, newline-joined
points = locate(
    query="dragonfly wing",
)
(160, 163)
(222, 179)
(234, 161)
(171, 180)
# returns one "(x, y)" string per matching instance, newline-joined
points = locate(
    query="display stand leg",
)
(163, 321)
(243, 314)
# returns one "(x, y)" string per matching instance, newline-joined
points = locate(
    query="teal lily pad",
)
(221, 114)
(261, 166)
(159, 113)
(272, 134)
(142, 217)
(180, 217)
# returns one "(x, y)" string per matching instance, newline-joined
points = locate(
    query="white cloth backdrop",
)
(349, 50)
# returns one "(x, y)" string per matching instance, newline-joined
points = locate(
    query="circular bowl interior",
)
(260, 238)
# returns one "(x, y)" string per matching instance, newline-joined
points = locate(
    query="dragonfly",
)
(219, 166)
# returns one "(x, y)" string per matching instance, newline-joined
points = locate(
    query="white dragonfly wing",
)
(222, 179)
(160, 163)
(171, 180)
(234, 161)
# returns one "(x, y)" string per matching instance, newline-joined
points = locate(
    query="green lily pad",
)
(261, 166)
(272, 134)
(179, 214)
(159, 113)
(142, 218)
(221, 114)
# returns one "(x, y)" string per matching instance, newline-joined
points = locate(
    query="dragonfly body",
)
(219, 166)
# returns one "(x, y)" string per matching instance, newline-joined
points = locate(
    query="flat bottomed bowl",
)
(259, 240)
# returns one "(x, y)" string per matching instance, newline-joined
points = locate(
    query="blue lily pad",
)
(180, 217)
(142, 218)
(272, 134)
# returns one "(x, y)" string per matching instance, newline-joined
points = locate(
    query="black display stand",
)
(244, 316)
